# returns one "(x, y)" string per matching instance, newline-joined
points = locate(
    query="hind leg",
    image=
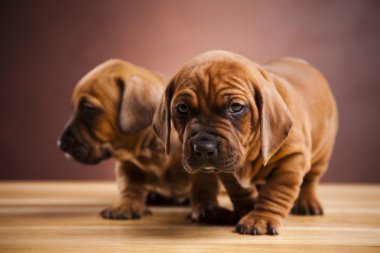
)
(307, 202)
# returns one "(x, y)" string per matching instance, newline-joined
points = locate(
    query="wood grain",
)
(63, 217)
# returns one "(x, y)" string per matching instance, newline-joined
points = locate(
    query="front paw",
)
(214, 215)
(307, 205)
(256, 223)
(125, 210)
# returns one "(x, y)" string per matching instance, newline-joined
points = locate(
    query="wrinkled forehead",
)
(213, 81)
(87, 91)
(95, 88)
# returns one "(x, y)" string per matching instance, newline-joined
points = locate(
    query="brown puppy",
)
(113, 107)
(272, 125)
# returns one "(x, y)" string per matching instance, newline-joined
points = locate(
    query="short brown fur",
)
(281, 139)
(123, 98)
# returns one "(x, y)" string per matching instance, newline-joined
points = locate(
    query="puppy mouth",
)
(84, 161)
(89, 159)
(223, 167)
(69, 157)
(210, 170)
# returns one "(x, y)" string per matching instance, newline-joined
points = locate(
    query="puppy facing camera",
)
(243, 122)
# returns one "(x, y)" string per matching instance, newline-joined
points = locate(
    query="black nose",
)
(204, 148)
(64, 143)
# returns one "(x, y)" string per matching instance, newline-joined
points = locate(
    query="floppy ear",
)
(138, 102)
(275, 119)
(162, 118)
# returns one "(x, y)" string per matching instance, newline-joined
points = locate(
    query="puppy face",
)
(216, 103)
(213, 116)
(107, 110)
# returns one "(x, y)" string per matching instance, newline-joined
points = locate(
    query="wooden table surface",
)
(63, 217)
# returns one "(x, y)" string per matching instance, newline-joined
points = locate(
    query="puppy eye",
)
(89, 111)
(182, 108)
(236, 107)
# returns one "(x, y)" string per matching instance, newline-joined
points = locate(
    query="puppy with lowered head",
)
(272, 125)
(113, 107)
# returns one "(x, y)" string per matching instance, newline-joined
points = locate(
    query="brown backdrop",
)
(46, 46)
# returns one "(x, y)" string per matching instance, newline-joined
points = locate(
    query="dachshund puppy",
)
(113, 107)
(272, 125)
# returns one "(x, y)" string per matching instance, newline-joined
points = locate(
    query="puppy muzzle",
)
(203, 153)
(77, 151)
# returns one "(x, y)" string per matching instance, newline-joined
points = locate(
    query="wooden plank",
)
(63, 217)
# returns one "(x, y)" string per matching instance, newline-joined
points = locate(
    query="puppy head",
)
(222, 106)
(111, 104)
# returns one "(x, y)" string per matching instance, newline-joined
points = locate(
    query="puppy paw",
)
(125, 210)
(213, 215)
(255, 223)
(307, 205)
